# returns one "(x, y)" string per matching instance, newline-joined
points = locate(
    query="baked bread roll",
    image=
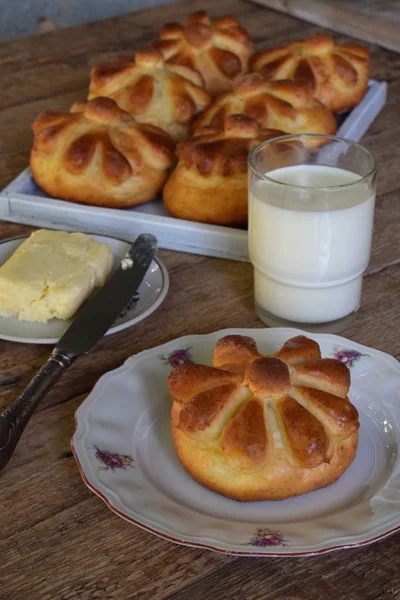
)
(336, 73)
(209, 183)
(264, 427)
(151, 91)
(285, 105)
(98, 154)
(219, 51)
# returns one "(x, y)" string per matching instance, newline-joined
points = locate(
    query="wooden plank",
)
(354, 575)
(385, 9)
(386, 229)
(63, 542)
(340, 18)
(123, 33)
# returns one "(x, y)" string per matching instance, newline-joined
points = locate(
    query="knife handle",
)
(16, 416)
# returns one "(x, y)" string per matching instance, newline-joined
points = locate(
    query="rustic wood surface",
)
(57, 539)
(357, 19)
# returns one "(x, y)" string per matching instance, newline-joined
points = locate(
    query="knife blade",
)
(97, 316)
(90, 324)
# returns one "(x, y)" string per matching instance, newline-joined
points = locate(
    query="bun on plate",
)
(256, 427)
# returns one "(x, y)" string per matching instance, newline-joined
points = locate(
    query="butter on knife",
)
(51, 274)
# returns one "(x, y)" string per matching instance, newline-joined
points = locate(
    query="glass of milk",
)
(311, 211)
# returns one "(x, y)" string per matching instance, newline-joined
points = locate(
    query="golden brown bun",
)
(271, 428)
(151, 91)
(97, 154)
(337, 74)
(209, 183)
(285, 105)
(218, 51)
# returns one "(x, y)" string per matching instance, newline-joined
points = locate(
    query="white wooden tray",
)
(22, 201)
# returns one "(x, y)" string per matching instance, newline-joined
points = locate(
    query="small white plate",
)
(150, 295)
(125, 455)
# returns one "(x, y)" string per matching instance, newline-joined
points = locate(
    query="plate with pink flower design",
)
(125, 455)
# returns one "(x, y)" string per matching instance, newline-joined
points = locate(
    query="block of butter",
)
(51, 274)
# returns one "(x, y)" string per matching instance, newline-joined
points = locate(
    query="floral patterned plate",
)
(125, 454)
(148, 298)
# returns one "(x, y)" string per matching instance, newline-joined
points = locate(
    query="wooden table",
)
(58, 540)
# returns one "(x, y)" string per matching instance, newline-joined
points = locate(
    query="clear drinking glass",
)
(311, 211)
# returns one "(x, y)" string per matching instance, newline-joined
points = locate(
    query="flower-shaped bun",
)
(337, 74)
(209, 183)
(152, 91)
(257, 427)
(219, 51)
(98, 154)
(285, 105)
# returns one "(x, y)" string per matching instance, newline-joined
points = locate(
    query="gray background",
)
(19, 18)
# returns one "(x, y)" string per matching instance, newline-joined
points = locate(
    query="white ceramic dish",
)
(125, 455)
(22, 201)
(150, 295)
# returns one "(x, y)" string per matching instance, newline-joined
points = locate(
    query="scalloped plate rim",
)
(169, 535)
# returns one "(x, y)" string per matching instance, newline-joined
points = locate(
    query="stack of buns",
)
(117, 149)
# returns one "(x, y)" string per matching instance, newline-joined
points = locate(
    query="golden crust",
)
(244, 442)
(152, 91)
(188, 380)
(268, 377)
(259, 436)
(235, 352)
(325, 374)
(285, 105)
(338, 412)
(298, 350)
(217, 51)
(337, 74)
(206, 414)
(97, 154)
(305, 437)
(209, 183)
(278, 481)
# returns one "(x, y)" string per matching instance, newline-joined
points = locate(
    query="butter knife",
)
(91, 323)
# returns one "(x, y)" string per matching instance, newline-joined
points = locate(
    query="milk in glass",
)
(309, 247)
